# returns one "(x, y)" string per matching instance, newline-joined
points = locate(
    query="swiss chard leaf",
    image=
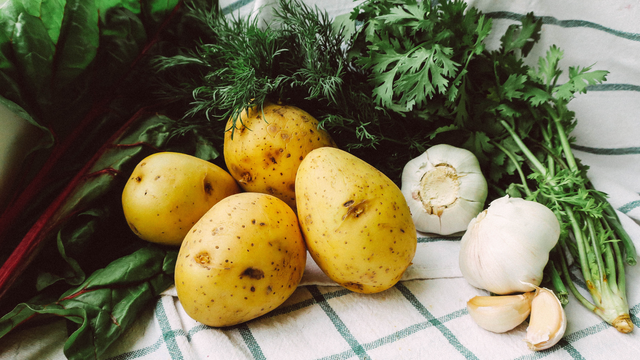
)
(86, 227)
(107, 303)
(78, 72)
(51, 52)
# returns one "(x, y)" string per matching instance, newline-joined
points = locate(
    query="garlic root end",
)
(623, 324)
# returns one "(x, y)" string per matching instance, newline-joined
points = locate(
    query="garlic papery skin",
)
(548, 321)
(444, 188)
(506, 247)
(500, 313)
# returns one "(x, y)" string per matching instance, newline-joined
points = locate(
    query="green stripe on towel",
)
(633, 313)
(235, 6)
(251, 342)
(356, 347)
(136, 354)
(629, 206)
(423, 239)
(437, 323)
(168, 334)
(550, 20)
(413, 329)
(613, 87)
(603, 151)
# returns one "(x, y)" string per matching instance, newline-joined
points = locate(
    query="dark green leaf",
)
(107, 303)
(522, 37)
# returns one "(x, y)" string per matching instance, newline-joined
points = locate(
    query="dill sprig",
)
(298, 58)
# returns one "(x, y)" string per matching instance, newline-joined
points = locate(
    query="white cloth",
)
(424, 316)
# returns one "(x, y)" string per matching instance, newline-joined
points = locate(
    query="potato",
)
(355, 221)
(168, 192)
(244, 258)
(263, 153)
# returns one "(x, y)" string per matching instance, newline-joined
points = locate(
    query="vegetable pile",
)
(397, 79)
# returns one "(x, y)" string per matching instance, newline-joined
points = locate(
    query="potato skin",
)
(244, 258)
(168, 192)
(355, 221)
(263, 154)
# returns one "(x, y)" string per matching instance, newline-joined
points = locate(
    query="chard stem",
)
(51, 218)
(43, 177)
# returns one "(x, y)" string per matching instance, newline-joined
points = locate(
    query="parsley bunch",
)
(427, 61)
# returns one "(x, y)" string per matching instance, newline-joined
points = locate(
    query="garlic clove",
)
(548, 321)
(501, 313)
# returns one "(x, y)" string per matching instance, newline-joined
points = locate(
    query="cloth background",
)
(424, 316)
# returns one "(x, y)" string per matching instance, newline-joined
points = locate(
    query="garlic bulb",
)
(444, 188)
(548, 321)
(506, 247)
(500, 313)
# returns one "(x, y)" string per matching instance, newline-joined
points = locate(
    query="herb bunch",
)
(241, 63)
(428, 61)
(302, 58)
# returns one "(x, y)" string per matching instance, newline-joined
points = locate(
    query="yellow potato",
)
(244, 258)
(264, 151)
(168, 192)
(355, 221)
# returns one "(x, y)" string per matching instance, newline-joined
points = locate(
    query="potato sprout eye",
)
(202, 258)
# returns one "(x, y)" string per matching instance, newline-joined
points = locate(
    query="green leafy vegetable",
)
(418, 52)
(80, 72)
(106, 304)
(89, 230)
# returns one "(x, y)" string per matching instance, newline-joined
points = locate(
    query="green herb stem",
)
(530, 156)
(558, 285)
(610, 268)
(567, 278)
(511, 157)
(562, 136)
(600, 269)
(621, 278)
(613, 221)
(580, 242)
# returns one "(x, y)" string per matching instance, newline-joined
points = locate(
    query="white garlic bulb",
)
(506, 247)
(444, 188)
